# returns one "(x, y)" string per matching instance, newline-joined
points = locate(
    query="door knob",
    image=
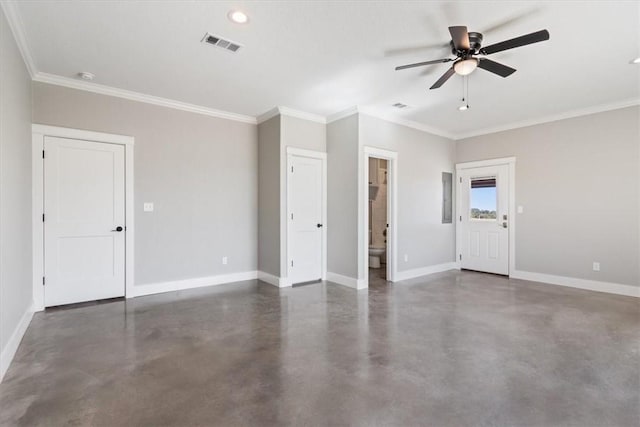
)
(118, 229)
(319, 225)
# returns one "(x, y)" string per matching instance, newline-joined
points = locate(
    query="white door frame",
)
(392, 212)
(511, 163)
(39, 132)
(299, 152)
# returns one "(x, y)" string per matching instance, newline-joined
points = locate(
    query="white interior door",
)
(484, 221)
(305, 219)
(84, 206)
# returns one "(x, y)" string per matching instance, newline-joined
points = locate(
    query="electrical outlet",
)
(406, 258)
(148, 207)
(520, 209)
(596, 266)
(225, 260)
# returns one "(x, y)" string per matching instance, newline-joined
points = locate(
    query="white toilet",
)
(374, 256)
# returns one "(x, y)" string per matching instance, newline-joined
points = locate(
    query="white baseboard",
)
(198, 282)
(349, 282)
(12, 345)
(573, 282)
(424, 271)
(280, 282)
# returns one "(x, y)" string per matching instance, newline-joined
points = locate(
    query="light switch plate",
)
(148, 207)
(520, 209)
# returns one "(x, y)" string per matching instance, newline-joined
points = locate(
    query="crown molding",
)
(286, 111)
(290, 112)
(553, 118)
(17, 28)
(342, 114)
(267, 115)
(407, 123)
(140, 97)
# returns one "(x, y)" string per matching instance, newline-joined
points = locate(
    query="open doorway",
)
(378, 219)
(379, 212)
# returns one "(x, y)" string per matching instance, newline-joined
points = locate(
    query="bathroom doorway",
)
(378, 218)
(378, 226)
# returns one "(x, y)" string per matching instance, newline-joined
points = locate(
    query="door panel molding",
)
(460, 169)
(39, 132)
(285, 252)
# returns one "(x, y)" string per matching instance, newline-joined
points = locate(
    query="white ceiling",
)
(323, 57)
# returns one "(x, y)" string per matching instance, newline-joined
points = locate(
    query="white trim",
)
(286, 111)
(84, 135)
(290, 112)
(406, 123)
(552, 118)
(14, 342)
(280, 282)
(392, 213)
(197, 282)
(574, 282)
(349, 282)
(17, 28)
(342, 114)
(322, 156)
(37, 143)
(511, 162)
(140, 97)
(267, 115)
(425, 271)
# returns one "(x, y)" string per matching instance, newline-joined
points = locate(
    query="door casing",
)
(39, 132)
(299, 152)
(511, 163)
(392, 214)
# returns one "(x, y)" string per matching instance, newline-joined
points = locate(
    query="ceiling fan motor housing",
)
(475, 42)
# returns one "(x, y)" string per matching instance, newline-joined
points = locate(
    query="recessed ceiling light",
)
(636, 61)
(84, 75)
(238, 17)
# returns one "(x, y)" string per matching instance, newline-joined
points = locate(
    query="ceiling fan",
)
(466, 46)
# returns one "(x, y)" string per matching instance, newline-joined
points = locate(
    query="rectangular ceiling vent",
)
(400, 105)
(221, 42)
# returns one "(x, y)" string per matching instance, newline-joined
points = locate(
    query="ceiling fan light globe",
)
(464, 67)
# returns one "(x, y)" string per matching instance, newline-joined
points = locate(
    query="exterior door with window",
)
(484, 221)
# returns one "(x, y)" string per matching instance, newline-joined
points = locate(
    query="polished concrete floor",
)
(451, 349)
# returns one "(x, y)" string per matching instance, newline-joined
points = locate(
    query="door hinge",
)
(460, 257)
(460, 218)
(460, 180)
(291, 263)
(42, 217)
(43, 280)
(43, 154)
(291, 169)
(292, 215)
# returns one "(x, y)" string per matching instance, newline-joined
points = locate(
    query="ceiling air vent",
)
(400, 105)
(221, 43)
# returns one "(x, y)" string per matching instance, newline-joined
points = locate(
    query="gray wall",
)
(15, 185)
(422, 157)
(578, 181)
(297, 133)
(200, 171)
(269, 196)
(342, 197)
(305, 134)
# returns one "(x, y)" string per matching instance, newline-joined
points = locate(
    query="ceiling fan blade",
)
(460, 37)
(495, 67)
(536, 37)
(450, 72)
(420, 64)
